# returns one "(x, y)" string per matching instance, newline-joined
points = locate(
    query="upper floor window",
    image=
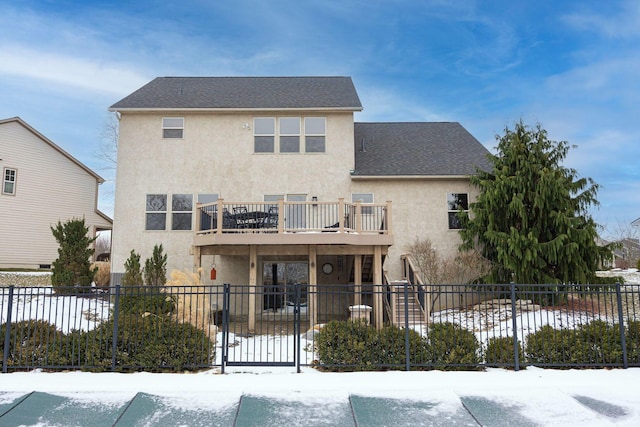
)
(314, 134)
(289, 134)
(264, 131)
(172, 127)
(286, 137)
(9, 181)
(456, 202)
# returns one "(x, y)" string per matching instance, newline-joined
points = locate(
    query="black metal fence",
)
(343, 327)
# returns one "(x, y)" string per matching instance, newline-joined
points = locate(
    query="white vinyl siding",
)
(50, 187)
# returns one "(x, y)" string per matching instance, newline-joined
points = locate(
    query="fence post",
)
(407, 356)
(514, 323)
(296, 325)
(7, 332)
(226, 291)
(623, 339)
(116, 316)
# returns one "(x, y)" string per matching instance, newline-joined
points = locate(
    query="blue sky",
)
(573, 66)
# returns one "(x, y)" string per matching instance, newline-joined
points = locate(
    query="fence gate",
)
(269, 337)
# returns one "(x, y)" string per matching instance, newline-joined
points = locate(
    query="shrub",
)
(356, 346)
(450, 347)
(594, 343)
(149, 343)
(499, 352)
(146, 299)
(632, 337)
(72, 270)
(103, 274)
(549, 346)
(132, 270)
(346, 345)
(392, 348)
(194, 304)
(600, 342)
(35, 343)
(155, 268)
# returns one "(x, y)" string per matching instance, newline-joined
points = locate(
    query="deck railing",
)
(293, 217)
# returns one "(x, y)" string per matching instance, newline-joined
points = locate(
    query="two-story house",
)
(41, 185)
(270, 180)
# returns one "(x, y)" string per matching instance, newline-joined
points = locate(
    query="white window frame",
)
(451, 212)
(148, 212)
(169, 128)
(181, 213)
(307, 134)
(282, 134)
(271, 135)
(9, 176)
(366, 210)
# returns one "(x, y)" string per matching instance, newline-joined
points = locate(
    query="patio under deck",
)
(305, 229)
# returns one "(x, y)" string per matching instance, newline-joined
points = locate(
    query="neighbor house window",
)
(363, 198)
(314, 134)
(456, 202)
(289, 134)
(264, 133)
(156, 212)
(181, 210)
(172, 127)
(9, 181)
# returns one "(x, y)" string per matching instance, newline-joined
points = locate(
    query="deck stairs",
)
(415, 313)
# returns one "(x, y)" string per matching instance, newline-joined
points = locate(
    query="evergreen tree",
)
(132, 270)
(530, 218)
(155, 268)
(72, 268)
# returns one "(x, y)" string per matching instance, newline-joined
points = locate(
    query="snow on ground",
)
(546, 396)
(549, 397)
(66, 312)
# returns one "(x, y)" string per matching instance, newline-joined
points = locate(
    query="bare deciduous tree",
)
(108, 148)
(464, 268)
(627, 244)
(103, 243)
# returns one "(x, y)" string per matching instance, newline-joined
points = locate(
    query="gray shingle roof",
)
(388, 149)
(244, 93)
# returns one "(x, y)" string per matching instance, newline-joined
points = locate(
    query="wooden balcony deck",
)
(291, 223)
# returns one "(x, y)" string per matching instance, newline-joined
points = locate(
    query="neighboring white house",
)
(270, 179)
(41, 185)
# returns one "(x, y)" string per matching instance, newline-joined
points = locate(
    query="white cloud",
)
(78, 72)
(623, 24)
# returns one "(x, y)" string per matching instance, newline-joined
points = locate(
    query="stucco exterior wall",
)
(49, 188)
(215, 156)
(419, 211)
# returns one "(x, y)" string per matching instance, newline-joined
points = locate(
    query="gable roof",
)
(237, 93)
(417, 149)
(54, 146)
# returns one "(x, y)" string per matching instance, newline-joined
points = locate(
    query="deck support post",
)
(357, 280)
(253, 286)
(378, 289)
(312, 295)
